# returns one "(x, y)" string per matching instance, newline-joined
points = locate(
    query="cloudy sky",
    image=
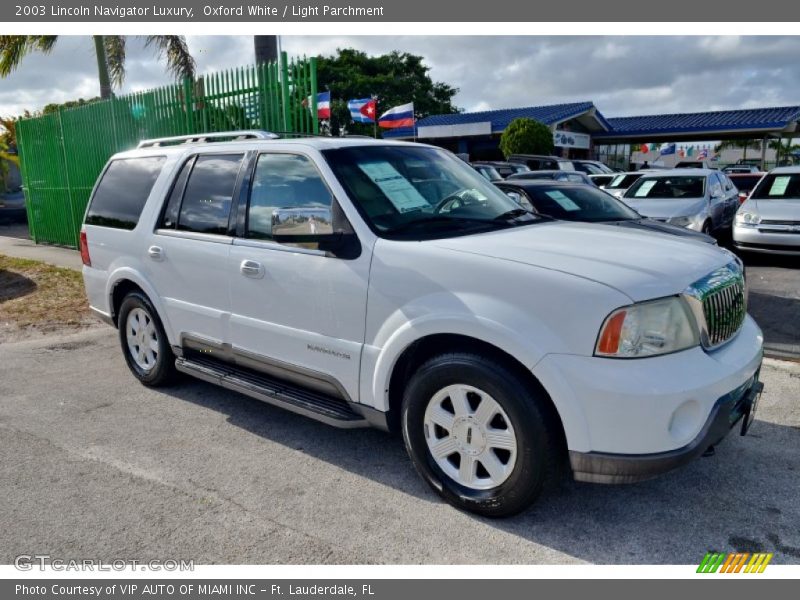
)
(622, 75)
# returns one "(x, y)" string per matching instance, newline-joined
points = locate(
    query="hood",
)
(775, 210)
(660, 227)
(639, 264)
(666, 208)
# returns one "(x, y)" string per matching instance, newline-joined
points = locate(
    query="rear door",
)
(187, 256)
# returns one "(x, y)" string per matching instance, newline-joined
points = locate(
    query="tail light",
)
(742, 197)
(87, 260)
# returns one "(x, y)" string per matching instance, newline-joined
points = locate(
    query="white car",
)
(769, 220)
(703, 200)
(330, 277)
(620, 182)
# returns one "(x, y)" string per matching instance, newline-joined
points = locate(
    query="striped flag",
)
(399, 116)
(362, 110)
(323, 105)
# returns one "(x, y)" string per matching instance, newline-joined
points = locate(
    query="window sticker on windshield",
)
(645, 188)
(563, 201)
(779, 186)
(397, 188)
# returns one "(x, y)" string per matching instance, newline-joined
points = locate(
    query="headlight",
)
(680, 221)
(748, 218)
(648, 329)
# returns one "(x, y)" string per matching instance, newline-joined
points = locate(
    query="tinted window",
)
(123, 191)
(778, 186)
(579, 203)
(623, 182)
(283, 181)
(170, 217)
(668, 187)
(207, 200)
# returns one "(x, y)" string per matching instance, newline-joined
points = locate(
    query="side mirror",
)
(313, 228)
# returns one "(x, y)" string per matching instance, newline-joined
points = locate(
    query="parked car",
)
(730, 169)
(488, 171)
(322, 276)
(536, 162)
(704, 200)
(745, 183)
(569, 201)
(573, 176)
(12, 207)
(622, 181)
(603, 180)
(505, 168)
(591, 167)
(769, 221)
(696, 164)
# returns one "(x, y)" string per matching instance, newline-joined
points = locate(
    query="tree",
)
(395, 78)
(741, 144)
(784, 152)
(526, 136)
(109, 51)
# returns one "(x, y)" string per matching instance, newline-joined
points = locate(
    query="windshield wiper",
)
(514, 213)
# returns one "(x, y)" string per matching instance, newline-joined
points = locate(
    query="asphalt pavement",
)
(92, 464)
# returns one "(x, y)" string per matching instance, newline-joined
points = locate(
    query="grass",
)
(35, 296)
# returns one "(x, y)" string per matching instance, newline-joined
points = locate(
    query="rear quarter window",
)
(123, 191)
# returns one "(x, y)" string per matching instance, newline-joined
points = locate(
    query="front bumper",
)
(753, 239)
(599, 467)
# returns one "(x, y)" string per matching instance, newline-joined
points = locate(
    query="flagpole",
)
(375, 121)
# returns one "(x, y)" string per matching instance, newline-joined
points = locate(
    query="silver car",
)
(769, 220)
(703, 200)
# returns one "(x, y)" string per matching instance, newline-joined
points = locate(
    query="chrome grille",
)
(724, 311)
(720, 303)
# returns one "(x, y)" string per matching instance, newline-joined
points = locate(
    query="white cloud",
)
(623, 75)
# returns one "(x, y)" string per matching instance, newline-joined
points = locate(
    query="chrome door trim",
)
(195, 235)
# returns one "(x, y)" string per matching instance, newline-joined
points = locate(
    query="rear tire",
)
(479, 435)
(144, 343)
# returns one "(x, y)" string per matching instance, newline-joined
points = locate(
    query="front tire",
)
(479, 434)
(144, 343)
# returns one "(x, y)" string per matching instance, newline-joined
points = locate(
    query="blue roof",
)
(549, 115)
(702, 122)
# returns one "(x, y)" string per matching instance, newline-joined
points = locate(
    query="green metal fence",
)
(62, 153)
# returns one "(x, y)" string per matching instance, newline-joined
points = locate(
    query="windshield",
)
(418, 191)
(489, 173)
(778, 187)
(623, 182)
(668, 187)
(745, 183)
(579, 203)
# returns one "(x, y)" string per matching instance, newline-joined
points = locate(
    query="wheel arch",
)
(422, 349)
(124, 281)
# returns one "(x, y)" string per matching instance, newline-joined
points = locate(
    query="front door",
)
(296, 312)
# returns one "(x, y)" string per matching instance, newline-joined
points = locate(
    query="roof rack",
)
(208, 137)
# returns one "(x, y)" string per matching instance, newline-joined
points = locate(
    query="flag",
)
(668, 149)
(690, 151)
(645, 149)
(323, 105)
(681, 153)
(703, 153)
(362, 110)
(399, 116)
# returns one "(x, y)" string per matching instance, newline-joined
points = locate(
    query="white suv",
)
(372, 283)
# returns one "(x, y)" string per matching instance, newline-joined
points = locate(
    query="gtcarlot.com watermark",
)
(45, 562)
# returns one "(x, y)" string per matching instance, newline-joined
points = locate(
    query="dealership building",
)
(581, 131)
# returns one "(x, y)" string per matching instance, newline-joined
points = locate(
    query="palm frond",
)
(13, 49)
(173, 48)
(9, 157)
(115, 58)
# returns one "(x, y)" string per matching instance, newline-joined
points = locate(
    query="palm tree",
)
(742, 144)
(784, 152)
(109, 51)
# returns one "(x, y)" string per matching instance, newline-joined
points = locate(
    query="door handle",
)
(156, 252)
(251, 268)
